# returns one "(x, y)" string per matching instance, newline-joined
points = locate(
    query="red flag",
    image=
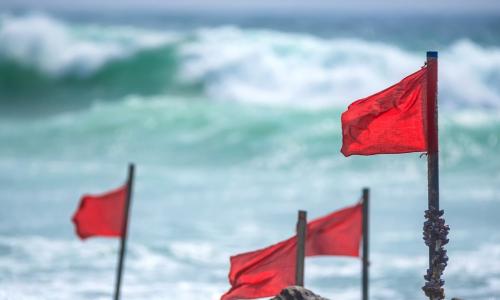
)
(262, 273)
(338, 233)
(391, 121)
(265, 272)
(101, 215)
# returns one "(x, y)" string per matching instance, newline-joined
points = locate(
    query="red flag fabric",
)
(262, 273)
(338, 233)
(391, 121)
(265, 272)
(101, 215)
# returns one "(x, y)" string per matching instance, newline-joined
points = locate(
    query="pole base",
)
(435, 237)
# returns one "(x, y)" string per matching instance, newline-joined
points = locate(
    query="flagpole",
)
(435, 230)
(301, 251)
(366, 242)
(123, 240)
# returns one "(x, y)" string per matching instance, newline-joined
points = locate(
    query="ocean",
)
(233, 122)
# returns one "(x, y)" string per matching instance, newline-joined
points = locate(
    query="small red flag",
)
(338, 233)
(262, 273)
(265, 272)
(101, 215)
(391, 121)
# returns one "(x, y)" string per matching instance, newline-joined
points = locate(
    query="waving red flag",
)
(338, 233)
(265, 272)
(262, 273)
(391, 121)
(101, 215)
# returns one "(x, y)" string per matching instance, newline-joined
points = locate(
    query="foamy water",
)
(233, 129)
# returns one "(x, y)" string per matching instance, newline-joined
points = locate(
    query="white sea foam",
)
(256, 66)
(480, 263)
(270, 67)
(324, 267)
(57, 49)
(39, 266)
(198, 251)
(470, 74)
(48, 268)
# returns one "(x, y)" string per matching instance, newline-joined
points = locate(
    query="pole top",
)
(131, 168)
(432, 54)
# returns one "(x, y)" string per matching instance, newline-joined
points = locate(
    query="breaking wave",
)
(40, 56)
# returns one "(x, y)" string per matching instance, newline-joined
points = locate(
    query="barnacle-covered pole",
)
(435, 230)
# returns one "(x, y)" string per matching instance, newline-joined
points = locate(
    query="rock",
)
(297, 293)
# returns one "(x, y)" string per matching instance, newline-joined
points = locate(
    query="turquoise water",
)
(234, 125)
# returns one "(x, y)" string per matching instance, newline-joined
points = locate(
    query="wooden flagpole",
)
(123, 240)
(366, 243)
(301, 251)
(432, 138)
(435, 230)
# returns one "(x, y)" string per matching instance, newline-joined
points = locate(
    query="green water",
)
(233, 129)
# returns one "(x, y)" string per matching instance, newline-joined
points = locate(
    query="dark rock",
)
(297, 293)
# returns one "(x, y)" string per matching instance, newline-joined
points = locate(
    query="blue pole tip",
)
(432, 54)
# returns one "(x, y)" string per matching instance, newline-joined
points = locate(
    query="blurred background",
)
(231, 111)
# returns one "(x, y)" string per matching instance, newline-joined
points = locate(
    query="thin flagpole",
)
(366, 243)
(301, 251)
(123, 240)
(435, 230)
